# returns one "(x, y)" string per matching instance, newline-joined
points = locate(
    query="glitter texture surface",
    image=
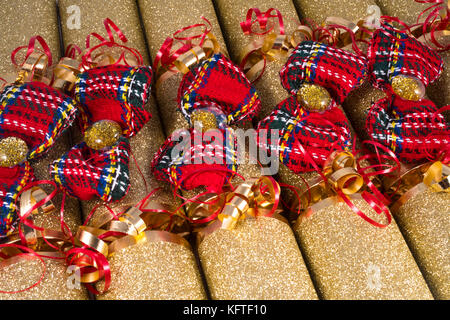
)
(150, 138)
(230, 15)
(408, 88)
(54, 286)
(102, 134)
(319, 10)
(13, 151)
(259, 259)
(161, 20)
(154, 271)
(425, 225)
(314, 97)
(351, 259)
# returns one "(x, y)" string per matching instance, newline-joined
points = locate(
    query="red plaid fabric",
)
(188, 161)
(319, 134)
(217, 82)
(12, 181)
(117, 93)
(336, 70)
(35, 113)
(392, 53)
(412, 130)
(84, 172)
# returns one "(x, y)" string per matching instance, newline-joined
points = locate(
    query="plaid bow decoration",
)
(117, 93)
(318, 134)
(335, 69)
(84, 172)
(192, 162)
(220, 83)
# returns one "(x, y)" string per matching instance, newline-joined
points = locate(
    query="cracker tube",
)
(33, 258)
(279, 19)
(314, 146)
(148, 139)
(146, 252)
(330, 234)
(248, 251)
(37, 18)
(393, 122)
(40, 20)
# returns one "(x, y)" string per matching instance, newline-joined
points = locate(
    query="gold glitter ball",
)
(13, 151)
(408, 87)
(313, 97)
(207, 119)
(102, 134)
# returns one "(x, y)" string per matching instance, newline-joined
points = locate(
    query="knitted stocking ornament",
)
(406, 122)
(32, 116)
(310, 123)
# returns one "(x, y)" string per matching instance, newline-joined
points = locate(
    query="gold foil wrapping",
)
(350, 258)
(155, 270)
(161, 19)
(259, 259)
(230, 15)
(124, 14)
(38, 18)
(424, 222)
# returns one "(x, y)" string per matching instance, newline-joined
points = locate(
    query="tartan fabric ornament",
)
(411, 129)
(35, 113)
(319, 134)
(335, 69)
(115, 92)
(12, 181)
(192, 158)
(392, 53)
(84, 172)
(218, 82)
(411, 126)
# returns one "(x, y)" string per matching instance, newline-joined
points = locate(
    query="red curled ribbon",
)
(87, 61)
(32, 48)
(262, 18)
(173, 47)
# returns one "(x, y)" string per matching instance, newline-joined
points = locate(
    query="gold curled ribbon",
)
(65, 73)
(191, 57)
(27, 200)
(271, 47)
(250, 199)
(33, 69)
(109, 234)
(412, 181)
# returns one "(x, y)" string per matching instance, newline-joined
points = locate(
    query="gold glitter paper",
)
(350, 258)
(206, 119)
(425, 225)
(161, 20)
(319, 10)
(313, 97)
(13, 151)
(408, 88)
(230, 15)
(56, 285)
(102, 134)
(154, 270)
(259, 259)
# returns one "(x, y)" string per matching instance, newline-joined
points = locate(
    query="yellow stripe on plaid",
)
(310, 62)
(244, 108)
(288, 132)
(109, 178)
(396, 55)
(196, 84)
